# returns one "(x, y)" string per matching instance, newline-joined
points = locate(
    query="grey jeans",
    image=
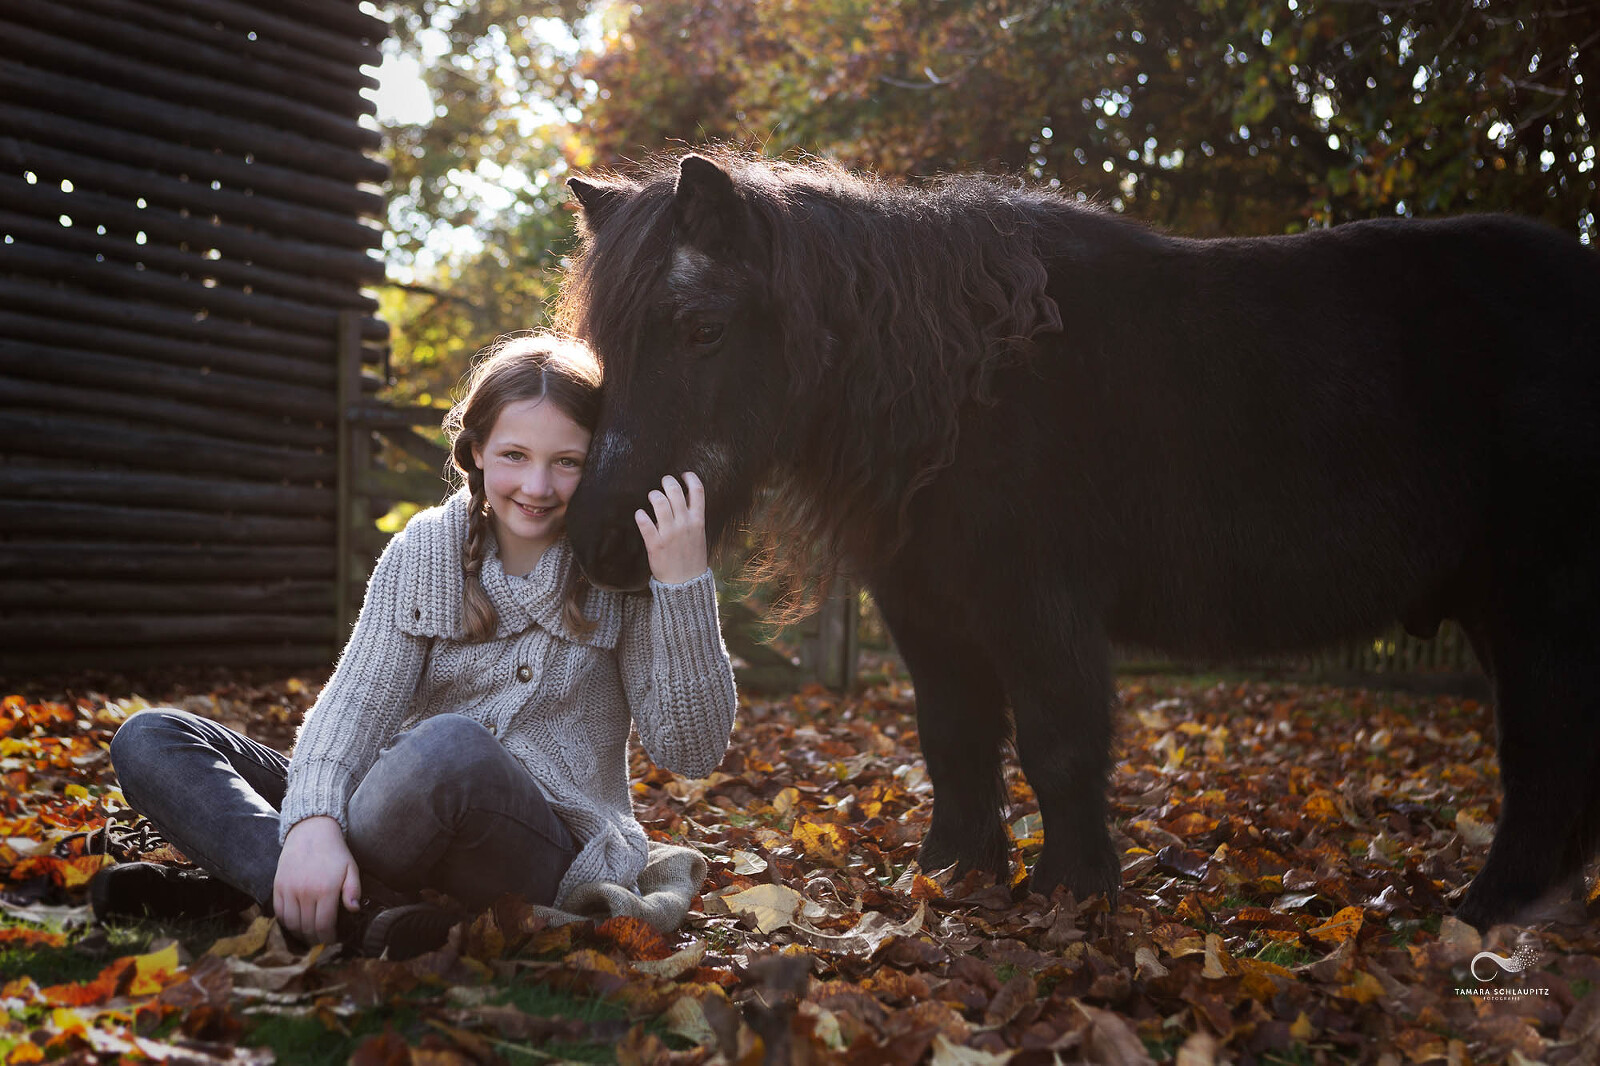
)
(444, 807)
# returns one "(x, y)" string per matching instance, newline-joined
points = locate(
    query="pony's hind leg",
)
(962, 725)
(1547, 713)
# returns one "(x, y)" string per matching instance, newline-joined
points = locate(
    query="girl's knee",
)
(142, 742)
(449, 746)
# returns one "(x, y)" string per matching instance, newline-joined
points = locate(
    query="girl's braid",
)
(481, 617)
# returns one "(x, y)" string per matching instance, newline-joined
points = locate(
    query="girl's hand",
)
(315, 870)
(676, 540)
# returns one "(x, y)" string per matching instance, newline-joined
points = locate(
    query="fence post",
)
(354, 447)
(829, 650)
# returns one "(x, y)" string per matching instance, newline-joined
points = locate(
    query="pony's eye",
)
(707, 333)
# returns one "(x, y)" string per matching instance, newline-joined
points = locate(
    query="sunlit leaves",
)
(1285, 888)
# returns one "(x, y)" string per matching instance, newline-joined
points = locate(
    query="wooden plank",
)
(220, 422)
(199, 233)
(279, 217)
(285, 654)
(92, 64)
(419, 447)
(313, 68)
(170, 260)
(75, 305)
(383, 417)
(120, 108)
(38, 629)
(343, 18)
(156, 348)
(124, 487)
(68, 594)
(418, 486)
(341, 47)
(33, 518)
(163, 562)
(126, 31)
(28, 433)
(42, 261)
(116, 375)
(132, 148)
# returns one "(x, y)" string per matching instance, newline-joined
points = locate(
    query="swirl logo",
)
(1520, 960)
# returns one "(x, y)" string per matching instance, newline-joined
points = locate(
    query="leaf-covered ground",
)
(1291, 854)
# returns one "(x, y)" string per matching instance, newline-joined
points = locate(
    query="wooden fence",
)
(187, 357)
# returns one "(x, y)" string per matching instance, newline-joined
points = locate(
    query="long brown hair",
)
(529, 366)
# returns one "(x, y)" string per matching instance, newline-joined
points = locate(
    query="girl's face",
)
(531, 464)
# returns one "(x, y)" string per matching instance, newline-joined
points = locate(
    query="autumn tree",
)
(1207, 117)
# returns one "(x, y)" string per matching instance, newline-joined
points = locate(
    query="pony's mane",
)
(897, 304)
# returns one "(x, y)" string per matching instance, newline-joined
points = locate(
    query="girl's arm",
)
(675, 670)
(677, 676)
(362, 704)
(357, 711)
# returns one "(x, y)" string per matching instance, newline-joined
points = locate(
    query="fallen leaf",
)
(771, 906)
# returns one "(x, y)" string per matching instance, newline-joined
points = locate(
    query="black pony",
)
(1034, 429)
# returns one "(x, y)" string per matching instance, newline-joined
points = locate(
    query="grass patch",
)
(1286, 955)
(305, 1039)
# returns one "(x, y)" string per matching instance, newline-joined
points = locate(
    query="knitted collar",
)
(438, 535)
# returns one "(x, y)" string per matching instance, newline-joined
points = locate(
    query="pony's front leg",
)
(1058, 674)
(961, 722)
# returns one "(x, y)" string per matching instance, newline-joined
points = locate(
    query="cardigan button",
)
(493, 729)
(524, 673)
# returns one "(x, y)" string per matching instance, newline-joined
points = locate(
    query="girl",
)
(473, 737)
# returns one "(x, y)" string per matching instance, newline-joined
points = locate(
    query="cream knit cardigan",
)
(561, 703)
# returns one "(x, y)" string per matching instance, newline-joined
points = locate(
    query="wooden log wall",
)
(188, 210)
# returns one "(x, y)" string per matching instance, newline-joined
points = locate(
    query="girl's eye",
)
(513, 455)
(571, 462)
(706, 333)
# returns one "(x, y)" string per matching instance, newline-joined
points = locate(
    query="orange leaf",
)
(109, 982)
(32, 937)
(1341, 927)
(635, 936)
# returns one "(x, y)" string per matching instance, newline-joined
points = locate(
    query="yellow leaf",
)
(248, 942)
(1302, 1029)
(154, 971)
(772, 906)
(1320, 805)
(1341, 927)
(1363, 989)
(786, 801)
(68, 1022)
(76, 792)
(822, 841)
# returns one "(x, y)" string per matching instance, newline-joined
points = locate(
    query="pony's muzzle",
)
(614, 558)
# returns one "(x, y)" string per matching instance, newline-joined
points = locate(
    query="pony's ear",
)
(704, 202)
(596, 199)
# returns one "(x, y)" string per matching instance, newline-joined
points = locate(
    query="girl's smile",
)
(531, 464)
